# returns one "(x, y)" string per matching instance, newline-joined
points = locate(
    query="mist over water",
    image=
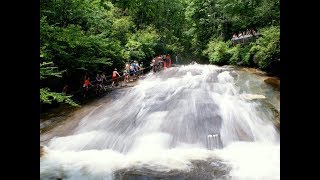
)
(167, 122)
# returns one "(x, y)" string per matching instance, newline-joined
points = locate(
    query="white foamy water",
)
(252, 160)
(163, 125)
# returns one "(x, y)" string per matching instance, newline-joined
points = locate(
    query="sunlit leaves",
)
(47, 96)
(47, 69)
(267, 48)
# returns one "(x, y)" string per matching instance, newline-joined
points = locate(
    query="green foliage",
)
(122, 28)
(141, 44)
(98, 35)
(134, 50)
(265, 52)
(47, 69)
(47, 96)
(209, 19)
(218, 51)
(71, 47)
(246, 55)
(267, 48)
(249, 13)
(235, 54)
(268, 13)
(205, 19)
(176, 46)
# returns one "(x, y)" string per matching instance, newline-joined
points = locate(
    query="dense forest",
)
(94, 36)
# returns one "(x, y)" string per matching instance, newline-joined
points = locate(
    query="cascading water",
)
(168, 123)
(213, 141)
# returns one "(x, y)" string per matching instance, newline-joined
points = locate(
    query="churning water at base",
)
(176, 123)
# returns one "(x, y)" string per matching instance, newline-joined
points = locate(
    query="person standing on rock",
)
(168, 60)
(86, 84)
(153, 64)
(114, 76)
(141, 68)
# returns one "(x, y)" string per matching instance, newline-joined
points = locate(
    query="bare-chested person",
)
(114, 76)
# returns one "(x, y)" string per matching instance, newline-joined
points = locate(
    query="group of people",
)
(247, 32)
(133, 70)
(193, 62)
(160, 62)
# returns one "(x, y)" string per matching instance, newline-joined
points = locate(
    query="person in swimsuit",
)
(86, 84)
(114, 76)
(136, 68)
(99, 84)
(153, 64)
(169, 60)
(132, 72)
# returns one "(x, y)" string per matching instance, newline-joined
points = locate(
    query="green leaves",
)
(218, 51)
(235, 54)
(141, 44)
(264, 53)
(47, 69)
(267, 48)
(222, 18)
(47, 96)
(98, 34)
(122, 28)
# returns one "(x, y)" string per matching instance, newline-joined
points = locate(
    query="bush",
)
(141, 44)
(263, 53)
(266, 49)
(235, 54)
(218, 51)
(47, 97)
(47, 69)
(246, 55)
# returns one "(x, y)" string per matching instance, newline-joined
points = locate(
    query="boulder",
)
(252, 96)
(274, 82)
(276, 114)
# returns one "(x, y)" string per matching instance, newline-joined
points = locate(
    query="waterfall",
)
(167, 123)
